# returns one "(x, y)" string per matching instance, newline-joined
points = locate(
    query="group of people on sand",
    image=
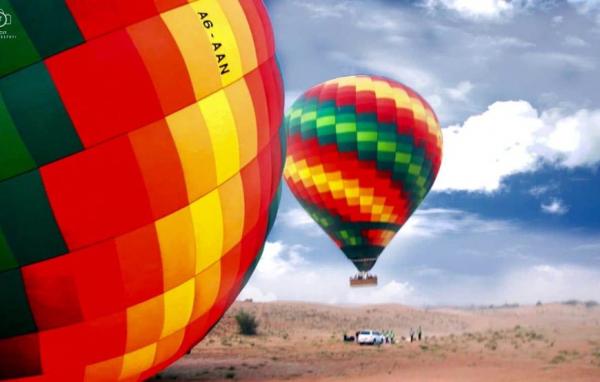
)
(390, 337)
(415, 335)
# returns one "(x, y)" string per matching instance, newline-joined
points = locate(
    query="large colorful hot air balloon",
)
(140, 163)
(362, 154)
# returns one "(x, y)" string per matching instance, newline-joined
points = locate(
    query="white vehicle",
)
(370, 337)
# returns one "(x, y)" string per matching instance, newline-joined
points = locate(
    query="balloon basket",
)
(363, 280)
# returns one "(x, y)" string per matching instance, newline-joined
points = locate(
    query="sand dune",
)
(303, 342)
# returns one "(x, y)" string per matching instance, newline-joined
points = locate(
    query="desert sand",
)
(303, 342)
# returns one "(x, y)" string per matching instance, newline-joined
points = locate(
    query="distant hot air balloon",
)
(363, 153)
(140, 163)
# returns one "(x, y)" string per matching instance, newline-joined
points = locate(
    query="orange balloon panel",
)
(140, 166)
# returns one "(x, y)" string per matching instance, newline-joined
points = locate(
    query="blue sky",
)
(514, 215)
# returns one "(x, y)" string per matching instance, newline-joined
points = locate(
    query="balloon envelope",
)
(140, 162)
(363, 152)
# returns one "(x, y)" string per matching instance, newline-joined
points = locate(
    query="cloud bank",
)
(440, 257)
(512, 137)
(479, 9)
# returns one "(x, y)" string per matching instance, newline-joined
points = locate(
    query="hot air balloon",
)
(363, 152)
(140, 167)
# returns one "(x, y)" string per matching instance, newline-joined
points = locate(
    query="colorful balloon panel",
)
(141, 153)
(362, 154)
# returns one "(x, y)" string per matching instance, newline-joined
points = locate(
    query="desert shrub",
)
(565, 356)
(591, 304)
(247, 323)
(539, 303)
(571, 302)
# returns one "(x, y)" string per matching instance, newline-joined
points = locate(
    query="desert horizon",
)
(302, 341)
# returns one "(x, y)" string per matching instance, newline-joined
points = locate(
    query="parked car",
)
(370, 337)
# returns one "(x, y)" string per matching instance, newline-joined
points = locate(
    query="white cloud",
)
(499, 9)
(279, 259)
(497, 43)
(574, 139)
(518, 255)
(512, 137)
(377, 21)
(561, 61)
(523, 285)
(319, 10)
(283, 274)
(316, 282)
(438, 249)
(541, 190)
(549, 283)
(295, 218)
(475, 9)
(429, 272)
(392, 292)
(378, 62)
(585, 6)
(538, 190)
(461, 91)
(300, 219)
(489, 147)
(555, 207)
(253, 293)
(405, 72)
(575, 42)
(438, 221)
(512, 42)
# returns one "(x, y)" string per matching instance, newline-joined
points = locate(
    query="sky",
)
(514, 215)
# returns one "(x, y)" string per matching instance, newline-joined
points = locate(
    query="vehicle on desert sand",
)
(370, 337)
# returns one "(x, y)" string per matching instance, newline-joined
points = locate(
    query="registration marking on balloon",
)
(222, 37)
(221, 58)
